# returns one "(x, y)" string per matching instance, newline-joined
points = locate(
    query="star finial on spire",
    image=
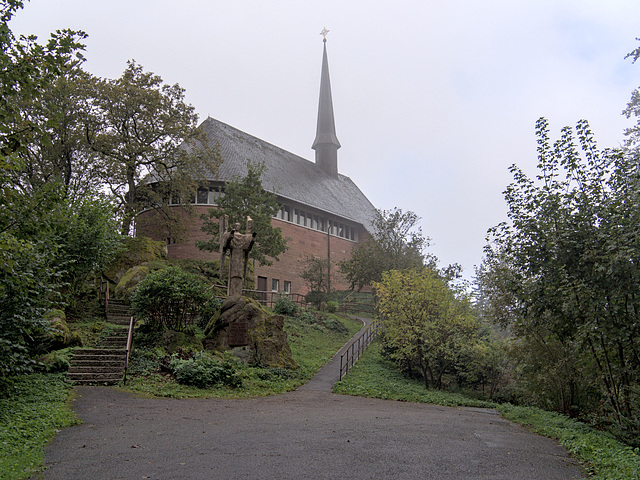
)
(324, 34)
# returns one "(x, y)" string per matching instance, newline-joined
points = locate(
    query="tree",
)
(27, 281)
(426, 327)
(565, 271)
(57, 151)
(244, 197)
(396, 243)
(25, 67)
(318, 277)
(150, 145)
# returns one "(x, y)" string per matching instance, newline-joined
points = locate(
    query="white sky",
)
(433, 100)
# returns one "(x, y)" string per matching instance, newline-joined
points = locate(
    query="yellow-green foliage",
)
(59, 331)
(426, 325)
(137, 250)
(130, 280)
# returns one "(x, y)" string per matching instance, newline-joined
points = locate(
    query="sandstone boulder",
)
(251, 333)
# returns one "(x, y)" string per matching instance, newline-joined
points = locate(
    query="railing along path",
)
(355, 349)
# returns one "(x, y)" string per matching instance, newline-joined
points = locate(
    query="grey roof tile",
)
(288, 175)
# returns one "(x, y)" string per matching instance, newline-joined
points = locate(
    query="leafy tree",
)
(25, 67)
(26, 291)
(88, 242)
(564, 269)
(244, 197)
(318, 277)
(57, 150)
(396, 243)
(27, 281)
(169, 298)
(426, 327)
(149, 143)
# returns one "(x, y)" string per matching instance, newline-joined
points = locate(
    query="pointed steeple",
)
(326, 143)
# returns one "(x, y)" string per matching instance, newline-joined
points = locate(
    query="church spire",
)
(326, 143)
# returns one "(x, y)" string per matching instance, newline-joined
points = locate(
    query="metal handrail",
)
(269, 297)
(129, 344)
(355, 349)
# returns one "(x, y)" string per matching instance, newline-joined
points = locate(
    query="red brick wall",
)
(301, 241)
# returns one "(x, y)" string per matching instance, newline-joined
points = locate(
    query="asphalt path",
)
(307, 434)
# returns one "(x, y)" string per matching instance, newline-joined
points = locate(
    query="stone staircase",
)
(118, 312)
(105, 363)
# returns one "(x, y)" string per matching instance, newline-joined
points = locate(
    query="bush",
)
(332, 306)
(168, 298)
(321, 320)
(144, 362)
(285, 306)
(203, 371)
(208, 310)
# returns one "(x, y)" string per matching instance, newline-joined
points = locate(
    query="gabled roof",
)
(288, 175)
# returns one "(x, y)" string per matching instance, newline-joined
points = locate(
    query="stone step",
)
(119, 333)
(120, 321)
(99, 362)
(116, 370)
(99, 351)
(118, 302)
(94, 377)
(118, 340)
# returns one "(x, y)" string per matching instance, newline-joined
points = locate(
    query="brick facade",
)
(301, 242)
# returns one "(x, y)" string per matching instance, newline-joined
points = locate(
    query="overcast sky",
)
(433, 100)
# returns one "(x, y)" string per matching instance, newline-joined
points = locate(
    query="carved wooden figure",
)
(238, 245)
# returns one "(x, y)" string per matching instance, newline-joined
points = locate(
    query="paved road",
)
(307, 434)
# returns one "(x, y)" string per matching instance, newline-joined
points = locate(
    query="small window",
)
(275, 285)
(287, 287)
(202, 196)
(213, 197)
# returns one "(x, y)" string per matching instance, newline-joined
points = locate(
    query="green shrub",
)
(169, 298)
(332, 306)
(321, 320)
(208, 310)
(56, 361)
(144, 362)
(285, 306)
(203, 371)
(334, 324)
(305, 316)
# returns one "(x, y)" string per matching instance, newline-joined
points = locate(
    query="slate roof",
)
(288, 175)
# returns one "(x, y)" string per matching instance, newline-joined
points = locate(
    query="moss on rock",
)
(267, 342)
(172, 341)
(130, 280)
(136, 251)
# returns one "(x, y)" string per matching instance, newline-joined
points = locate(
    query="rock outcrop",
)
(251, 333)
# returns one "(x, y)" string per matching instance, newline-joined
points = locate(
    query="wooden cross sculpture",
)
(238, 245)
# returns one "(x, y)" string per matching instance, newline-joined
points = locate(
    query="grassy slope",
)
(29, 418)
(603, 456)
(312, 346)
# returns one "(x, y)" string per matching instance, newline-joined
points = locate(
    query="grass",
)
(602, 455)
(34, 411)
(312, 344)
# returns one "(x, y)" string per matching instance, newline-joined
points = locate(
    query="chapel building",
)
(322, 212)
